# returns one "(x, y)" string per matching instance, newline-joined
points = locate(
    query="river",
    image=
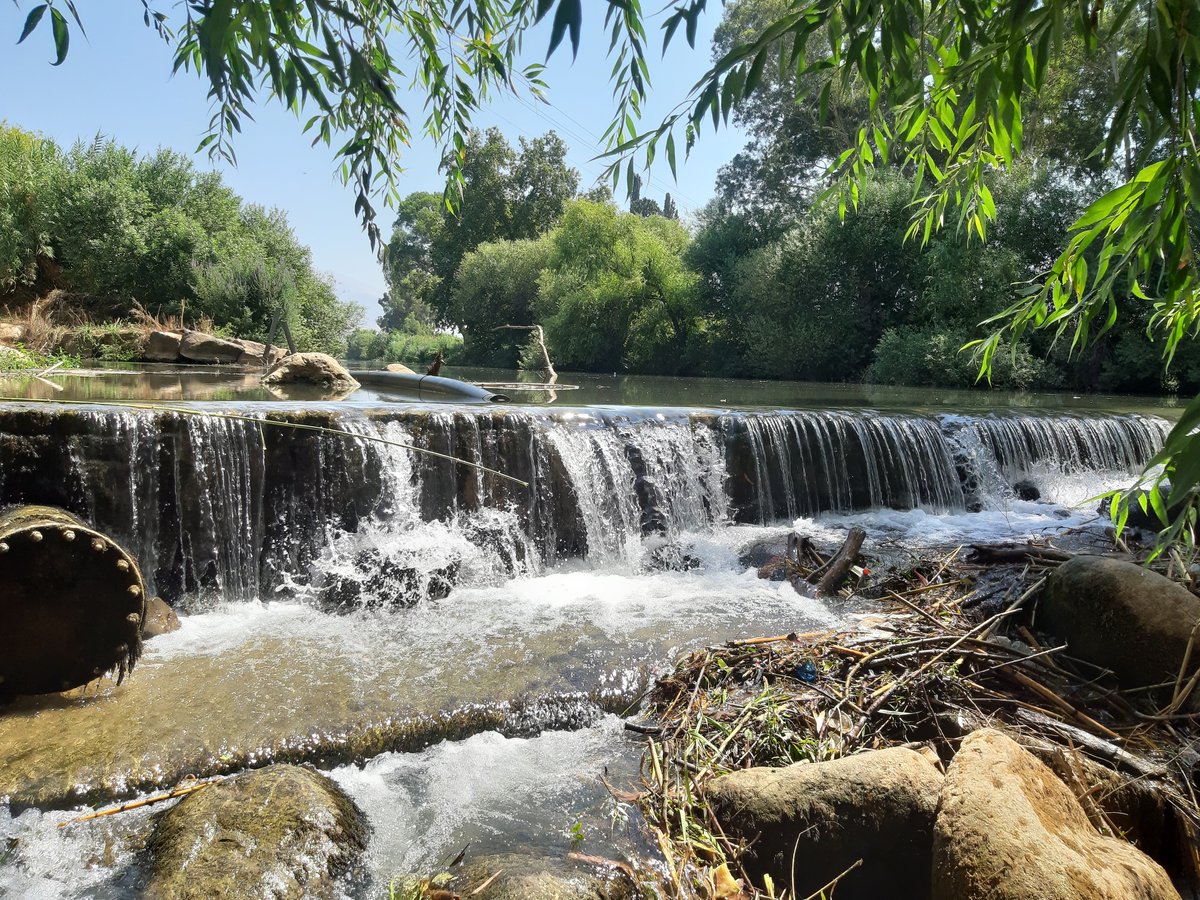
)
(454, 649)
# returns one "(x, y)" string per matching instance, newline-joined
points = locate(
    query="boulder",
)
(1122, 617)
(208, 348)
(817, 819)
(1027, 490)
(162, 346)
(1008, 828)
(279, 832)
(398, 367)
(255, 354)
(160, 619)
(318, 369)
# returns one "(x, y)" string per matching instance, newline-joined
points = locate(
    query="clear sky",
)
(117, 82)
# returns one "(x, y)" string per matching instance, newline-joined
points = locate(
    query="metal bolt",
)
(69, 534)
(98, 545)
(135, 590)
(35, 536)
(123, 565)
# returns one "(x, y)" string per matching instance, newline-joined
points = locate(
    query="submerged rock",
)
(378, 580)
(279, 832)
(1122, 617)
(816, 819)
(208, 348)
(672, 556)
(1008, 829)
(317, 369)
(1027, 490)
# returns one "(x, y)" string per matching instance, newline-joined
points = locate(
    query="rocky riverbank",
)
(972, 744)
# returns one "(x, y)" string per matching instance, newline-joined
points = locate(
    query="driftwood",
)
(73, 603)
(551, 375)
(1017, 553)
(839, 565)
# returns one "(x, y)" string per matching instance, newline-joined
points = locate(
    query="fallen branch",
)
(178, 791)
(839, 566)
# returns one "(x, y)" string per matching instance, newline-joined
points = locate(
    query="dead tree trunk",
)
(72, 603)
(840, 564)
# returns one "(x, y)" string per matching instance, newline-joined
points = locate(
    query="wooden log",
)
(72, 603)
(839, 566)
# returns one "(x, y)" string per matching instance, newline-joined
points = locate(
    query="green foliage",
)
(30, 169)
(497, 285)
(368, 345)
(113, 228)
(112, 342)
(616, 295)
(420, 349)
(508, 195)
(928, 356)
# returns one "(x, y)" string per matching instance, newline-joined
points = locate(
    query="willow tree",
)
(947, 84)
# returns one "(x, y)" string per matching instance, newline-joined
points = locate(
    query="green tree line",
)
(110, 228)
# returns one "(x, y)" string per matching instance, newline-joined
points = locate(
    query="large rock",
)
(817, 819)
(1009, 829)
(12, 332)
(255, 354)
(1121, 616)
(278, 832)
(208, 348)
(162, 346)
(319, 369)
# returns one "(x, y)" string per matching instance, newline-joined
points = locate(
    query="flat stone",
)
(208, 348)
(1008, 829)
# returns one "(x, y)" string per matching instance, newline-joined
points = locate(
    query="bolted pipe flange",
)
(60, 623)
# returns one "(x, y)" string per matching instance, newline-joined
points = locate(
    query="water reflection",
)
(171, 383)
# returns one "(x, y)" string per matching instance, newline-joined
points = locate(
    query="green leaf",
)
(62, 36)
(569, 16)
(31, 22)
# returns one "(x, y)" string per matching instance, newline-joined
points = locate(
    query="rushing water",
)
(356, 603)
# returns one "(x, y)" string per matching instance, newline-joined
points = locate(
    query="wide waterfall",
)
(239, 509)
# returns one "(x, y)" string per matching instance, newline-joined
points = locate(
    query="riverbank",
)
(960, 650)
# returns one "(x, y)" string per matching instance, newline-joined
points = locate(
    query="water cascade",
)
(235, 509)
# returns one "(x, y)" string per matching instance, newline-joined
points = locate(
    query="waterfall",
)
(995, 452)
(801, 463)
(236, 509)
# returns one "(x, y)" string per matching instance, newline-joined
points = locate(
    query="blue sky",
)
(117, 81)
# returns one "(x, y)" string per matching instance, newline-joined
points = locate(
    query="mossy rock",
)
(279, 832)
